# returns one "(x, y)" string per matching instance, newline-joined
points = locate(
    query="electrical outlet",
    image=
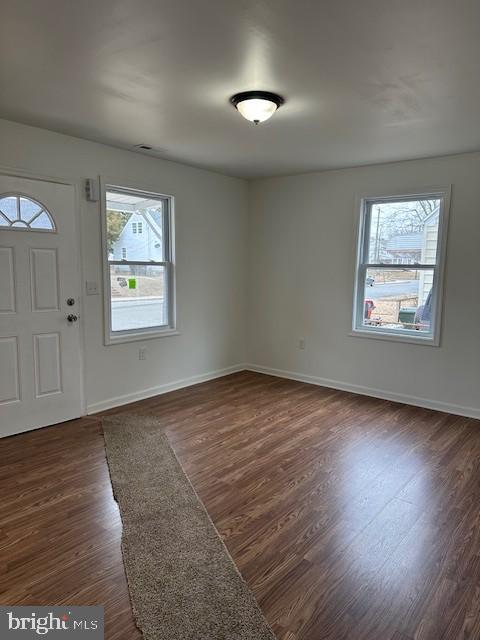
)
(142, 353)
(301, 343)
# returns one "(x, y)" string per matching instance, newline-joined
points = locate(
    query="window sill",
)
(136, 336)
(391, 337)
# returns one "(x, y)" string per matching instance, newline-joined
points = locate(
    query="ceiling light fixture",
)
(257, 106)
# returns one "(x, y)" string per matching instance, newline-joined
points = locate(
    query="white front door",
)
(40, 371)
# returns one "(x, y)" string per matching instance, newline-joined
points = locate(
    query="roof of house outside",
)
(152, 218)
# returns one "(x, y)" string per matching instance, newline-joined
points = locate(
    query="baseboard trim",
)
(469, 412)
(127, 398)
(118, 401)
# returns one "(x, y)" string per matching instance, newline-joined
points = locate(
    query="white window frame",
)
(132, 335)
(363, 208)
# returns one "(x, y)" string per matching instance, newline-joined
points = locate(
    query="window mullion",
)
(151, 263)
(398, 267)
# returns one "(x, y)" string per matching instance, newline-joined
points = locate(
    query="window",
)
(21, 213)
(400, 267)
(139, 272)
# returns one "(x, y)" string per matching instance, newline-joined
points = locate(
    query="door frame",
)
(29, 175)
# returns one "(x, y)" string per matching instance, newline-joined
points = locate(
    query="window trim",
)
(361, 210)
(133, 335)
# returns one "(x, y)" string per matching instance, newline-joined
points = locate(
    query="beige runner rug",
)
(182, 581)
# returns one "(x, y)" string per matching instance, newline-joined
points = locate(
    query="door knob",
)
(72, 317)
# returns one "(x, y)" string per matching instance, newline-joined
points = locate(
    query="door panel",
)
(7, 281)
(48, 375)
(44, 279)
(9, 379)
(40, 364)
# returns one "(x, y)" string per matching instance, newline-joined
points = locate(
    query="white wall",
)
(211, 239)
(302, 256)
(300, 245)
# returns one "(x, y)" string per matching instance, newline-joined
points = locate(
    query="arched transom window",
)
(23, 213)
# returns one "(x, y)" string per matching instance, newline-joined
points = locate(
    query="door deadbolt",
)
(70, 302)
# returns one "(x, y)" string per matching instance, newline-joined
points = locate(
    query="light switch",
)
(92, 288)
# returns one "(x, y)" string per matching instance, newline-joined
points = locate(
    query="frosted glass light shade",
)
(257, 109)
(256, 106)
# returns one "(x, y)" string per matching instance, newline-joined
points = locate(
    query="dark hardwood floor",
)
(350, 517)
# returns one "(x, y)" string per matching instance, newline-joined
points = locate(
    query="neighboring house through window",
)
(139, 266)
(400, 263)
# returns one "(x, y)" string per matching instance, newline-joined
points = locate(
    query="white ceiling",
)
(365, 81)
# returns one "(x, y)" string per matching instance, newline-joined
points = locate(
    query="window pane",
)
(398, 299)
(42, 222)
(8, 206)
(403, 232)
(28, 209)
(135, 223)
(22, 213)
(138, 297)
